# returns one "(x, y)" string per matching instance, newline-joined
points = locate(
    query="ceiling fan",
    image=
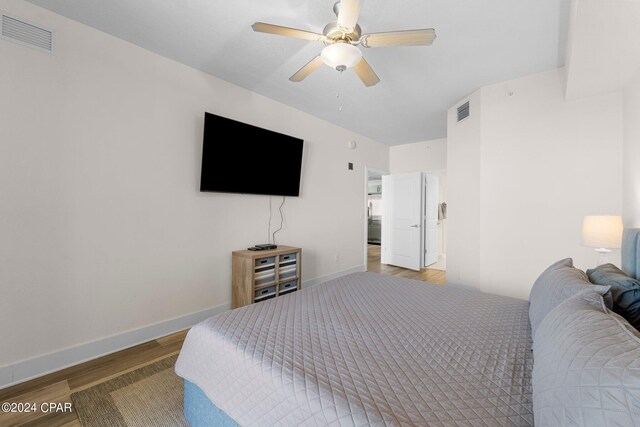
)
(342, 37)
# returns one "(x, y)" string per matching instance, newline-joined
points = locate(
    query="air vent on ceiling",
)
(27, 34)
(463, 111)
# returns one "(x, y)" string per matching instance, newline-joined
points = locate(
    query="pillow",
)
(586, 367)
(557, 283)
(624, 290)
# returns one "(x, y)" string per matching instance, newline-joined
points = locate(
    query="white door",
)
(431, 235)
(401, 223)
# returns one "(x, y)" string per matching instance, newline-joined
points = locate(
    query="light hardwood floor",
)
(58, 386)
(436, 277)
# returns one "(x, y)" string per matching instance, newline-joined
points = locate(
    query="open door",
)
(431, 235)
(402, 225)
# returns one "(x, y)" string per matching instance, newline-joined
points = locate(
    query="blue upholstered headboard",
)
(631, 252)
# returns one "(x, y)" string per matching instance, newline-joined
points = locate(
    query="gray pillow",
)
(586, 369)
(624, 290)
(557, 283)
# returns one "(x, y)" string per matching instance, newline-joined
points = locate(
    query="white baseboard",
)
(318, 280)
(41, 365)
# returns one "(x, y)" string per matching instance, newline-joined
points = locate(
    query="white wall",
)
(603, 46)
(422, 156)
(102, 226)
(522, 175)
(609, 61)
(631, 167)
(463, 194)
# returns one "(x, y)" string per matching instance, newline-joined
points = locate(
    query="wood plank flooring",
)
(58, 386)
(436, 277)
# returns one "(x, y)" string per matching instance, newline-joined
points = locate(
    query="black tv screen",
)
(241, 158)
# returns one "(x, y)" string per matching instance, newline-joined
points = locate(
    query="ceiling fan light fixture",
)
(341, 55)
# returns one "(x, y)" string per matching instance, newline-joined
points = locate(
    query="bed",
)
(366, 349)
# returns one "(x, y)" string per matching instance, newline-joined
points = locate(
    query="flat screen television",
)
(241, 158)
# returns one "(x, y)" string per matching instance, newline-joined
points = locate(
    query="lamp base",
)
(603, 255)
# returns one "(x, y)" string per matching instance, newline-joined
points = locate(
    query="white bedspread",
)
(367, 349)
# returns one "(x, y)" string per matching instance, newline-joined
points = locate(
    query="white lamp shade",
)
(602, 231)
(338, 54)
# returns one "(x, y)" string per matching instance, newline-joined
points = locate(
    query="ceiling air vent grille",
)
(463, 111)
(27, 34)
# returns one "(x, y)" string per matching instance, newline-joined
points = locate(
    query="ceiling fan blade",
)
(422, 37)
(348, 14)
(262, 27)
(303, 72)
(366, 73)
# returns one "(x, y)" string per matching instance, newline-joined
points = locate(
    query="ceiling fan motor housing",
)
(333, 32)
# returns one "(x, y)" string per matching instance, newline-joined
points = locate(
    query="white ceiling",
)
(479, 42)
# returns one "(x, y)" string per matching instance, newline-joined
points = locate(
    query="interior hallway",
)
(436, 277)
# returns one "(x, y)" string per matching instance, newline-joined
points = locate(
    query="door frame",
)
(439, 173)
(423, 237)
(423, 221)
(365, 221)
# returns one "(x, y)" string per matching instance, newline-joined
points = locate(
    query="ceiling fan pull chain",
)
(340, 86)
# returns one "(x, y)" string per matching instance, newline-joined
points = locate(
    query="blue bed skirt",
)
(200, 411)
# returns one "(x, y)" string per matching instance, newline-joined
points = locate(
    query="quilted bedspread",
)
(368, 349)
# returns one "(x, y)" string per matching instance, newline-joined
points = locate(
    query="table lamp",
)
(603, 232)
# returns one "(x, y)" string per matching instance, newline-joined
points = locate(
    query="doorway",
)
(374, 209)
(414, 217)
(372, 212)
(441, 263)
(376, 215)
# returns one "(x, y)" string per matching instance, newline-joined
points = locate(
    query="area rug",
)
(149, 396)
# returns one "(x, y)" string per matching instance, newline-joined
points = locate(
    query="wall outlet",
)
(337, 258)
